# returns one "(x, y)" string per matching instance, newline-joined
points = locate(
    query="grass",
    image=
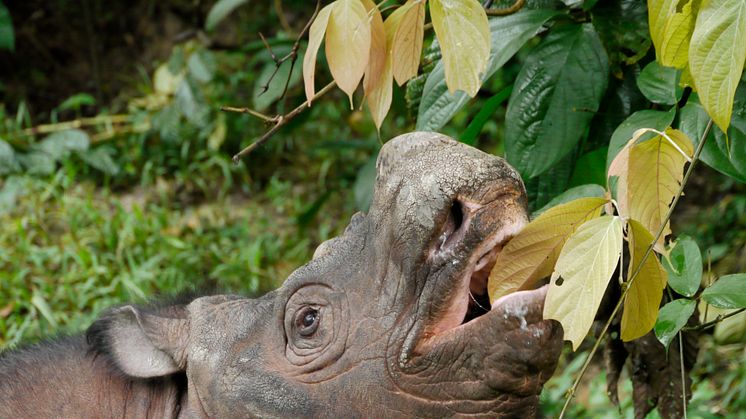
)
(68, 250)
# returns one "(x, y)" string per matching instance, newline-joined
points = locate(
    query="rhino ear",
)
(141, 343)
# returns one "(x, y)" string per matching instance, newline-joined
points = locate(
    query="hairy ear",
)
(142, 343)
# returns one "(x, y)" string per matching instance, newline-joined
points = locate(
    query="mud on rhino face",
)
(389, 319)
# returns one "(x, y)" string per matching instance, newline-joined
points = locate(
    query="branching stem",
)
(648, 251)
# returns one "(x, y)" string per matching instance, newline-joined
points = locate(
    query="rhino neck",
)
(62, 379)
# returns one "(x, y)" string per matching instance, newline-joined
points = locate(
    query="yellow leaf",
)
(619, 167)
(674, 47)
(582, 274)
(407, 44)
(464, 36)
(377, 59)
(531, 255)
(655, 172)
(644, 296)
(315, 36)
(659, 11)
(716, 56)
(348, 44)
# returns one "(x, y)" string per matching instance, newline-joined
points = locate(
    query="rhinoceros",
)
(390, 319)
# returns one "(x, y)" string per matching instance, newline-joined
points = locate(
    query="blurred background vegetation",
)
(116, 182)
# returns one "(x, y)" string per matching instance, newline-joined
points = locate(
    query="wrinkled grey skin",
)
(382, 342)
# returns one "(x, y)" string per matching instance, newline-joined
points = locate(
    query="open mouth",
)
(470, 299)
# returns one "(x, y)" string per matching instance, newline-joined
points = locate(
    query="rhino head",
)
(390, 319)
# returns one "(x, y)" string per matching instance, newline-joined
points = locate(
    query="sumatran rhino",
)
(390, 319)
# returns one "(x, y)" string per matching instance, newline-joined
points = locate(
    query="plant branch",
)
(75, 123)
(292, 55)
(280, 121)
(513, 8)
(714, 322)
(263, 117)
(281, 17)
(648, 251)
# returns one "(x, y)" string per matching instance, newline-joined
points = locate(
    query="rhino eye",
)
(307, 321)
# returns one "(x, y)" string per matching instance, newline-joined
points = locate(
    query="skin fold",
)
(373, 326)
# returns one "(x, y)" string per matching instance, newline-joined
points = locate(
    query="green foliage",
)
(7, 38)
(220, 10)
(684, 267)
(558, 90)
(727, 292)
(672, 317)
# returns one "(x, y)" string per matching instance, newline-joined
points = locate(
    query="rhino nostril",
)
(452, 227)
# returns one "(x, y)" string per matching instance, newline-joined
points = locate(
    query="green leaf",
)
(37, 163)
(716, 152)
(659, 84)
(189, 105)
(485, 113)
(727, 292)
(508, 35)
(464, 35)
(201, 65)
(220, 10)
(263, 99)
(581, 275)
(41, 304)
(716, 56)
(557, 92)
(75, 102)
(582, 191)
(60, 144)
(658, 120)
(684, 267)
(590, 168)
(8, 161)
(7, 38)
(672, 317)
(100, 159)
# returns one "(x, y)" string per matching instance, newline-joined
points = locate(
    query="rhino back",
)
(63, 378)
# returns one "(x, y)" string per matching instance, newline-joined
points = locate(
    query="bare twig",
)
(263, 117)
(648, 251)
(292, 55)
(513, 8)
(683, 373)
(75, 123)
(279, 122)
(713, 322)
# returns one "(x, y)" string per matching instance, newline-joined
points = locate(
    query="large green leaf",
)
(684, 266)
(556, 94)
(727, 292)
(659, 84)
(672, 317)
(220, 10)
(716, 56)
(731, 162)
(508, 35)
(641, 119)
(7, 38)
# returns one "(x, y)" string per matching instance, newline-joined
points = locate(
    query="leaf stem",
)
(648, 251)
(711, 323)
(279, 121)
